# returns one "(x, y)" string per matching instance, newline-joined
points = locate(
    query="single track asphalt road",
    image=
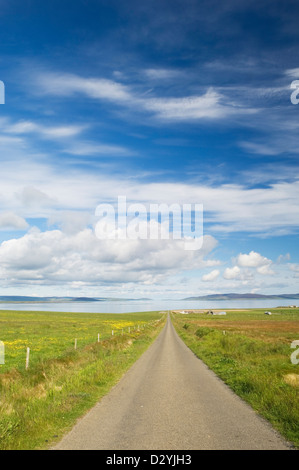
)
(170, 400)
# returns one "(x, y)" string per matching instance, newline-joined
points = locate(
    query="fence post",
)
(27, 358)
(98, 337)
(76, 343)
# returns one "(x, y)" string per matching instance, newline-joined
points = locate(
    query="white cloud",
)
(232, 273)
(252, 260)
(212, 276)
(98, 88)
(256, 260)
(261, 149)
(89, 148)
(70, 222)
(265, 270)
(54, 257)
(295, 269)
(55, 132)
(7, 140)
(193, 107)
(9, 220)
(210, 105)
(293, 73)
(22, 127)
(17, 135)
(31, 196)
(162, 74)
(266, 211)
(283, 258)
(61, 131)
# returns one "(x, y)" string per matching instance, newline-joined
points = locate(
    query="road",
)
(169, 400)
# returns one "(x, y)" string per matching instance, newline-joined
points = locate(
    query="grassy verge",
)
(251, 353)
(38, 405)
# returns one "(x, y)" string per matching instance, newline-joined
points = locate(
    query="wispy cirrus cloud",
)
(85, 148)
(266, 211)
(211, 104)
(208, 106)
(163, 74)
(26, 132)
(293, 73)
(55, 132)
(62, 84)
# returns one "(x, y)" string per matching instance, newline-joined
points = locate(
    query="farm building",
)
(211, 312)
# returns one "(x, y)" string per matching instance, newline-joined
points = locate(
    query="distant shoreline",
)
(42, 300)
(243, 297)
(19, 299)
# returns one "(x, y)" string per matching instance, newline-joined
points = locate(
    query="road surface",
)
(169, 400)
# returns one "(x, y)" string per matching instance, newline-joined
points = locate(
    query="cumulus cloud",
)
(252, 260)
(295, 269)
(256, 260)
(265, 270)
(232, 273)
(31, 196)
(70, 222)
(54, 257)
(9, 220)
(283, 258)
(212, 276)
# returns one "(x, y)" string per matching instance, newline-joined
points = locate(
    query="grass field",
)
(39, 404)
(251, 352)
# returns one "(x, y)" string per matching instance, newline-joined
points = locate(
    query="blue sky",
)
(162, 102)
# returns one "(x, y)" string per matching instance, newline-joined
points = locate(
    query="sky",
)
(160, 102)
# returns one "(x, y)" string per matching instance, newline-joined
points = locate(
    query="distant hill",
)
(25, 298)
(243, 296)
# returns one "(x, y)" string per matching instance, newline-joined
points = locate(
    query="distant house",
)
(211, 312)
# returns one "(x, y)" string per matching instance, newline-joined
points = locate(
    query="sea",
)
(128, 306)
